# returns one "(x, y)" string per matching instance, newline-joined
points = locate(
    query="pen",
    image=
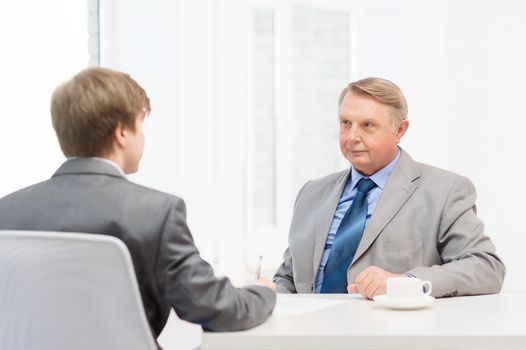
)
(258, 267)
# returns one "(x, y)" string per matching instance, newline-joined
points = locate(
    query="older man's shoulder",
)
(330, 179)
(438, 173)
(437, 179)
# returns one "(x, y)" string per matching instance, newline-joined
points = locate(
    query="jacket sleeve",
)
(283, 277)
(188, 283)
(470, 264)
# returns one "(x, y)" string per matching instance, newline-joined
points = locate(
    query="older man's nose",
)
(353, 135)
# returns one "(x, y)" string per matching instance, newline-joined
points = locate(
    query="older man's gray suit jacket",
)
(424, 223)
(89, 195)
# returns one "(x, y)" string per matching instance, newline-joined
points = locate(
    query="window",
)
(263, 168)
(301, 63)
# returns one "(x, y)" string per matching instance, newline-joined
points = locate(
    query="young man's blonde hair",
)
(87, 109)
(384, 91)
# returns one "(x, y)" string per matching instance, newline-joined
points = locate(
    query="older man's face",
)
(367, 137)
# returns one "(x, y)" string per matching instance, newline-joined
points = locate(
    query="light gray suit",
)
(89, 195)
(424, 223)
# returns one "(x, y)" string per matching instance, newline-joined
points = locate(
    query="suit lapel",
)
(400, 186)
(328, 204)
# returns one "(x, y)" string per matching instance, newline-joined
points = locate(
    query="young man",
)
(98, 117)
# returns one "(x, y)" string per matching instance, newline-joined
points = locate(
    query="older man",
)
(387, 215)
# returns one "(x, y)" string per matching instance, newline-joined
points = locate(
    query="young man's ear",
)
(119, 135)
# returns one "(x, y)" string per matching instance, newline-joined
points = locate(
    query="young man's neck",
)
(115, 159)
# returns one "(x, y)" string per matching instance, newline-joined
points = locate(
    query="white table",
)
(479, 322)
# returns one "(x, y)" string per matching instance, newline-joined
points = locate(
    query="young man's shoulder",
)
(148, 192)
(23, 192)
(117, 189)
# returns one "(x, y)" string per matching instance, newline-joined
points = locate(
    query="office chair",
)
(69, 291)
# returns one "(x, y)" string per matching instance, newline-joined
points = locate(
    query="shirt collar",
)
(105, 160)
(380, 177)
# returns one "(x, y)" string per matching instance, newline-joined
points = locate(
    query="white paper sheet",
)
(293, 305)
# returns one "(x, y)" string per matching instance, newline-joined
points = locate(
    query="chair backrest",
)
(64, 291)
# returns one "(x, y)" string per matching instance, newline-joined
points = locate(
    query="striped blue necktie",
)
(346, 241)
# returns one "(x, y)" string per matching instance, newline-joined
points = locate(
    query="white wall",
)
(38, 51)
(462, 67)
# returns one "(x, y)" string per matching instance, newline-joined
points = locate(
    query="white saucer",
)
(404, 304)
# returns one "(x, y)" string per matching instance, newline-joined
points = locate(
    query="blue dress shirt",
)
(380, 179)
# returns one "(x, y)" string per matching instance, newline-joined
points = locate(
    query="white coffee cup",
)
(407, 288)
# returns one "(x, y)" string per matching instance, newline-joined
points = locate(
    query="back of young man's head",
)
(87, 109)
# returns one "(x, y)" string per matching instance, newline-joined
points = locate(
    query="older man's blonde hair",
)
(382, 90)
(87, 109)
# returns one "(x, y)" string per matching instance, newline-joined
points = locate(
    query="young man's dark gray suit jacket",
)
(92, 196)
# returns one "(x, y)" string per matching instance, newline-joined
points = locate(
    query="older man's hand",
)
(371, 282)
